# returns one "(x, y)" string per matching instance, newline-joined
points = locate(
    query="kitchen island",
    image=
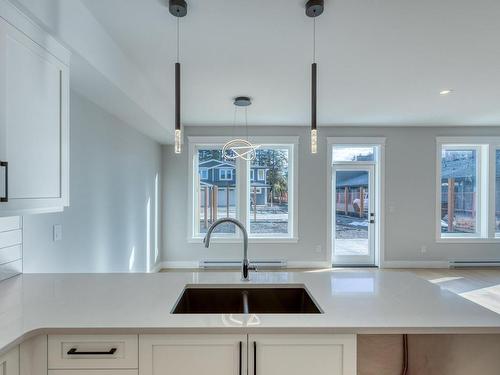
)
(352, 302)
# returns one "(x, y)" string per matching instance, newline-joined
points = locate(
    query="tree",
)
(276, 161)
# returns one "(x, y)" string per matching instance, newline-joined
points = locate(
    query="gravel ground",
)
(351, 227)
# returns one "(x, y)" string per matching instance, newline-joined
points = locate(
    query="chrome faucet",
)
(245, 265)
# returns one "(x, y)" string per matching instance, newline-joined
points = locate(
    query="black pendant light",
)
(178, 8)
(313, 9)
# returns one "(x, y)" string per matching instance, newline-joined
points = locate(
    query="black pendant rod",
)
(177, 96)
(313, 95)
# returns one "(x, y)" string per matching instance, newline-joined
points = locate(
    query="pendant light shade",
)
(314, 130)
(178, 8)
(313, 9)
(178, 131)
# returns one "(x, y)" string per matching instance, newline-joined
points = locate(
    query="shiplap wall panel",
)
(10, 223)
(11, 246)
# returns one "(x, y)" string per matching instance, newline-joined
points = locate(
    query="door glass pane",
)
(217, 190)
(268, 193)
(497, 194)
(458, 191)
(352, 213)
(349, 153)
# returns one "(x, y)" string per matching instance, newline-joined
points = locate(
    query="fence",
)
(352, 201)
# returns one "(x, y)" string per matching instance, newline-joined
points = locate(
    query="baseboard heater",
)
(234, 264)
(474, 263)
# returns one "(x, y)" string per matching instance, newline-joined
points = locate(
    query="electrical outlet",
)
(319, 249)
(423, 249)
(57, 232)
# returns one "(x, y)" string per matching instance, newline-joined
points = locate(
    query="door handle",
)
(240, 363)
(372, 218)
(255, 358)
(5, 198)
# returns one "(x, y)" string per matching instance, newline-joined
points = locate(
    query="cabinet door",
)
(302, 354)
(192, 354)
(34, 93)
(9, 363)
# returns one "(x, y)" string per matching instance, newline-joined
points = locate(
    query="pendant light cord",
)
(178, 39)
(314, 39)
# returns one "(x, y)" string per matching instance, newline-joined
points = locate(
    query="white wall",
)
(410, 191)
(112, 224)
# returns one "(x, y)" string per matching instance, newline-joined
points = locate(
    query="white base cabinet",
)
(262, 354)
(9, 363)
(192, 354)
(302, 354)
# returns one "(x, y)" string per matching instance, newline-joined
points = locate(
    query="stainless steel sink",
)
(245, 300)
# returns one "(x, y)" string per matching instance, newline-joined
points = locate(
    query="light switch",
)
(57, 232)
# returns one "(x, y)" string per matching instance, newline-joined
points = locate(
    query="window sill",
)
(466, 240)
(251, 240)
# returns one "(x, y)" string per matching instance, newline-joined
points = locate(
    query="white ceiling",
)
(380, 62)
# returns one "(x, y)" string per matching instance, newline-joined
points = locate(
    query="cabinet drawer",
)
(93, 372)
(92, 352)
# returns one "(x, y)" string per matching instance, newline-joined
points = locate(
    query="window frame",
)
(260, 172)
(227, 171)
(203, 173)
(252, 175)
(242, 173)
(486, 147)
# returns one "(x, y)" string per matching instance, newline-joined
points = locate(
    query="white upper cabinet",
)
(34, 124)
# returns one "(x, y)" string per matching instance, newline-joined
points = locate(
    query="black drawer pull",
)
(255, 358)
(5, 198)
(74, 351)
(241, 362)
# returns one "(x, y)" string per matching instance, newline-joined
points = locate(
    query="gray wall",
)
(409, 172)
(111, 222)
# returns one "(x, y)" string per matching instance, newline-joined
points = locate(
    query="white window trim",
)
(243, 169)
(486, 188)
(379, 142)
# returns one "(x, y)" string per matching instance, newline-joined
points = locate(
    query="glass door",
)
(353, 215)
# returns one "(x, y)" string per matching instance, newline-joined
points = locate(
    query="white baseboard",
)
(306, 264)
(196, 264)
(177, 264)
(415, 264)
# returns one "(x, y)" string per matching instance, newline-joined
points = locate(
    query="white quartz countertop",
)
(357, 301)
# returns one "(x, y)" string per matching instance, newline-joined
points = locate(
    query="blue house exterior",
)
(222, 174)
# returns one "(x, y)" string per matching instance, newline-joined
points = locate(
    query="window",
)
(259, 193)
(269, 199)
(459, 190)
(345, 153)
(214, 199)
(204, 173)
(225, 174)
(261, 175)
(466, 206)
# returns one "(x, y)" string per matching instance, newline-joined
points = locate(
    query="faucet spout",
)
(245, 265)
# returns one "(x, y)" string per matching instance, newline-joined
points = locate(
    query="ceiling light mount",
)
(242, 101)
(314, 8)
(177, 8)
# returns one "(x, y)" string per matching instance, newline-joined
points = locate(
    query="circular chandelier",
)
(239, 147)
